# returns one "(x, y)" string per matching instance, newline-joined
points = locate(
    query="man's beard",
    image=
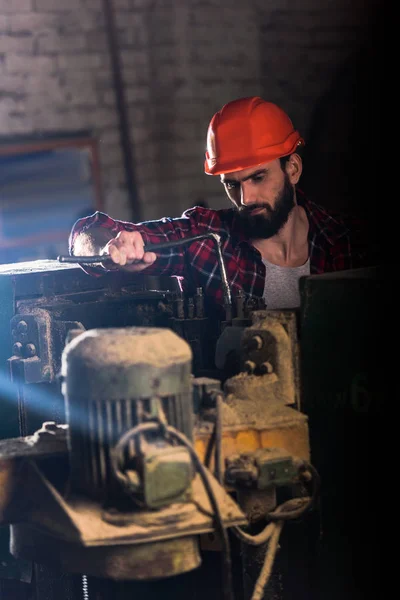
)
(269, 223)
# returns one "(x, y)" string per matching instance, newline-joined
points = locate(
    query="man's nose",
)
(247, 195)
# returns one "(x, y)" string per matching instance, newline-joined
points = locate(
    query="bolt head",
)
(30, 350)
(17, 349)
(22, 327)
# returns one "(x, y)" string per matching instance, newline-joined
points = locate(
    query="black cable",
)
(210, 448)
(180, 437)
(218, 469)
(227, 574)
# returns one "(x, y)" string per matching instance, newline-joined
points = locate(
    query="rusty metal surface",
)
(267, 373)
(73, 535)
(81, 520)
(284, 428)
(43, 444)
(127, 562)
(39, 445)
(275, 427)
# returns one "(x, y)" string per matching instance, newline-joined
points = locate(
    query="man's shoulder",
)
(335, 223)
(346, 231)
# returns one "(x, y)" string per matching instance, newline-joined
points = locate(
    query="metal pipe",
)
(124, 128)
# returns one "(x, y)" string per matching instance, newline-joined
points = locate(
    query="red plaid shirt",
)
(334, 245)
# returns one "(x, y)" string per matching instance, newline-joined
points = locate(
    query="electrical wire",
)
(291, 509)
(169, 431)
(297, 507)
(210, 448)
(255, 540)
(218, 468)
(227, 571)
(266, 570)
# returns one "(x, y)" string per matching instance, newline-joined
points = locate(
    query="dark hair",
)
(284, 159)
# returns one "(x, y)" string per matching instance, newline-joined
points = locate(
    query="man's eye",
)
(232, 185)
(257, 179)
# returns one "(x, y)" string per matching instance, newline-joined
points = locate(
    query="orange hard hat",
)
(248, 132)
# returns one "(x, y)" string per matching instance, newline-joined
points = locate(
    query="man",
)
(271, 236)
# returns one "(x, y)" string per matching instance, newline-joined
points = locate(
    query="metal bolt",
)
(249, 366)
(46, 374)
(22, 327)
(30, 350)
(17, 349)
(266, 367)
(258, 342)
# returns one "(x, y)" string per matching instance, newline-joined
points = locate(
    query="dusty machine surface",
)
(151, 450)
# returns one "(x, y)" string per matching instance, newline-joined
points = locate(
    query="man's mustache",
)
(245, 211)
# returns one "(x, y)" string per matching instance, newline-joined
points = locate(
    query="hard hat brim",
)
(212, 166)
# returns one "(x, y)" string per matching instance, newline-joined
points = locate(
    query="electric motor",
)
(116, 379)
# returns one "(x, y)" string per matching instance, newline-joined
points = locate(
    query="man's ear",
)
(294, 168)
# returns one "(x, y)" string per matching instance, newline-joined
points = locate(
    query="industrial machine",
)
(149, 450)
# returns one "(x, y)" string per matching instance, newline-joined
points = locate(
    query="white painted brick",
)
(44, 102)
(80, 20)
(29, 64)
(103, 117)
(140, 133)
(83, 96)
(133, 4)
(123, 4)
(97, 41)
(138, 94)
(129, 20)
(3, 23)
(103, 80)
(57, 121)
(73, 78)
(52, 43)
(135, 37)
(44, 84)
(15, 6)
(15, 125)
(108, 97)
(94, 4)
(13, 83)
(82, 61)
(140, 114)
(117, 203)
(110, 137)
(32, 22)
(17, 44)
(116, 176)
(133, 76)
(9, 104)
(135, 58)
(57, 5)
(146, 153)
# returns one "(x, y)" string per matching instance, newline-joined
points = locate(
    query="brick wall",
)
(182, 59)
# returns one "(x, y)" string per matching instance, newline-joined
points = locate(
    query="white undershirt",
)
(282, 285)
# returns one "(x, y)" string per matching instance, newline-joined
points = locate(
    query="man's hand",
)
(126, 251)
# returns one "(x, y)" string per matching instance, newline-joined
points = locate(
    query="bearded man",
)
(272, 235)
